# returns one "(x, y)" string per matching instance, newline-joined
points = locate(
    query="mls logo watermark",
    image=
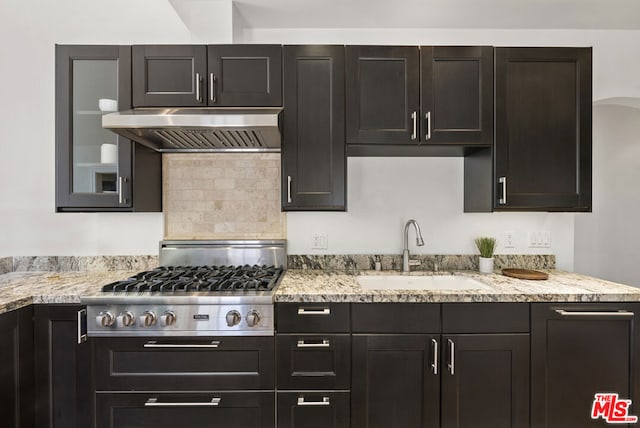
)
(612, 409)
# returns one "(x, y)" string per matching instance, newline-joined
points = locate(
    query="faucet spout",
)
(419, 243)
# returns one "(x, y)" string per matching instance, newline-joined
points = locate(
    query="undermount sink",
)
(424, 282)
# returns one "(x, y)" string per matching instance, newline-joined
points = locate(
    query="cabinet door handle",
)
(325, 402)
(452, 352)
(604, 314)
(154, 344)
(427, 117)
(503, 199)
(288, 188)
(320, 311)
(198, 84)
(153, 402)
(414, 118)
(212, 87)
(121, 181)
(324, 344)
(434, 365)
(82, 326)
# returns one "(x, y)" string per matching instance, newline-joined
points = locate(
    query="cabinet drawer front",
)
(212, 410)
(235, 363)
(313, 409)
(396, 318)
(485, 318)
(312, 317)
(313, 361)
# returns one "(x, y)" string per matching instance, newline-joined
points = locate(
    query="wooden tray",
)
(525, 274)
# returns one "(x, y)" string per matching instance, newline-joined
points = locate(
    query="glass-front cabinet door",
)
(93, 165)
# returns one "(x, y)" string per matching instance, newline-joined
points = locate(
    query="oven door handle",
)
(155, 344)
(153, 402)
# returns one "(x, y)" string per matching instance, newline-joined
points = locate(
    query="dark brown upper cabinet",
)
(543, 129)
(96, 170)
(313, 149)
(457, 95)
(244, 75)
(383, 94)
(198, 75)
(410, 101)
(169, 75)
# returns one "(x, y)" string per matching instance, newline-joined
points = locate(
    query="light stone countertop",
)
(19, 289)
(323, 286)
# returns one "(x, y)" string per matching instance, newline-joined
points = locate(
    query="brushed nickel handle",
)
(155, 344)
(288, 188)
(414, 118)
(82, 326)
(604, 314)
(503, 199)
(452, 363)
(121, 182)
(325, 402)
(434, 365)
(428, 119)
(153, 402)
(324, 344)
(198, 82)
(319, 311)
(212, 87)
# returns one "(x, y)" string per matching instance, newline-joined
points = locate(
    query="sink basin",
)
(426, 282)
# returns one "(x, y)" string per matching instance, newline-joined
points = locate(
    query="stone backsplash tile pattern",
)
(222, 196)
(84, 263)
(358, 262)
(6, 265)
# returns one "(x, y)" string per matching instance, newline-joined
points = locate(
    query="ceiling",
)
(498, 14)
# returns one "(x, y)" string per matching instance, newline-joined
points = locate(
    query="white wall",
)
(607, 241)
(30, 28)
(385, 192)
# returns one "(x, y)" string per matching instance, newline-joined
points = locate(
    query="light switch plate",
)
(319, 241)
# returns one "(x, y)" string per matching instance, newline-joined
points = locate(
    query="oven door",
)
(183, 364)
(210, 410)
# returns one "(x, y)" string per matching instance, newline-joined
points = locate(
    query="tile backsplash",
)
(222, 196)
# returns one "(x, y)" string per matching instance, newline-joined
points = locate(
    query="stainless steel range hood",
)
(200, 129)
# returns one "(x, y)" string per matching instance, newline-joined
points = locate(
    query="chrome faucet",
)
(406, 262)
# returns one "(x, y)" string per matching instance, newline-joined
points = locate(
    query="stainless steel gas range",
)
(202, 288)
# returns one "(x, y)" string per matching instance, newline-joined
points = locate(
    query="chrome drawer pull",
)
(154, 344)
(323, 311)
(324, 344)
(325, 402)
(452, 352)
(434, 365)
(153, 402)
(621, 314)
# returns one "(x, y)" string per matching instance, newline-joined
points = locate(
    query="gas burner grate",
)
(199, 279)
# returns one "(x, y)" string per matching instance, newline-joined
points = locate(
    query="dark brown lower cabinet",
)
(578, 350)
(313, 361)
(315, 409)
(210, 410)
(16, 370)
(485, 381)
(394, 382)
(63, 381)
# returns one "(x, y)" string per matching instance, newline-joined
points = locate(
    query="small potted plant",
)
(486, 246)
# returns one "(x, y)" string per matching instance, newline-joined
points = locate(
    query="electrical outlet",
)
(508, 239)
(319, 241)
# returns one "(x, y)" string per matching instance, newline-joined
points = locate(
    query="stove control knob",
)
(168, 318)
(253, 318)
(148, 318)
(233, 318)
(126, 319)
(105, 319)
